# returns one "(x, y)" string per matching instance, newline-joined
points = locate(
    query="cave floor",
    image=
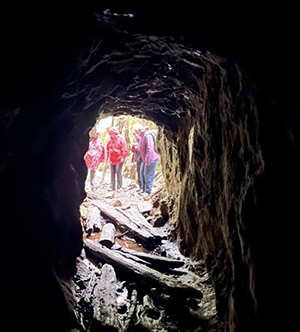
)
(119, 289)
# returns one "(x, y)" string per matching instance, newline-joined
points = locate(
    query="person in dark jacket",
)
(149, 160)
(117, 151)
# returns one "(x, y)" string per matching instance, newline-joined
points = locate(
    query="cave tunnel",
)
(223, 92)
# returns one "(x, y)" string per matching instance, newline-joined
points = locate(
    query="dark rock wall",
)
(229, 143)
(217, 162)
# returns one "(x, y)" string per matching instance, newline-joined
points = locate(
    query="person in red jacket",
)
(93, 157)
(117, 150)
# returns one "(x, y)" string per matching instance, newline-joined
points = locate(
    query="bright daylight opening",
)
(124, 177)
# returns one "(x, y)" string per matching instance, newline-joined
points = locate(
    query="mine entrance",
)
(139, 219)
(131, 275)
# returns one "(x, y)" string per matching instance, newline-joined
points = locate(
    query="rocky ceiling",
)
(220, 79)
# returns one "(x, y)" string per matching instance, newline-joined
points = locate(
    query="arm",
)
(149, 148)
(102, 158)
(124, 148)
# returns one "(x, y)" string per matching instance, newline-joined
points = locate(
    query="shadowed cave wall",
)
(229, 146)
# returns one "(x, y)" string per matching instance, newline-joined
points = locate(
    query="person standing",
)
(93, 157)
(135, 149)
(149, 160)
(117, 151)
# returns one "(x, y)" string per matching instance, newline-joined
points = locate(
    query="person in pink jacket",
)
(135, 149)
(149, 160)
(117, 151)
(93, 157)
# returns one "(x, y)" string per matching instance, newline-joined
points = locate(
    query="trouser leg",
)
(119, 175)
(142, 174)
(149, 175)
(112, 177)
(138, 168)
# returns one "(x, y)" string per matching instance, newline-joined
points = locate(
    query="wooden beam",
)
(142, 271)
(143, 236)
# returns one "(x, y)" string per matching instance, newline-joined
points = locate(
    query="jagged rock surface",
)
(229, 141)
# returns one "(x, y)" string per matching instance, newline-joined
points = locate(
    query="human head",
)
(137, 128)
(143, 131)
(113, 131)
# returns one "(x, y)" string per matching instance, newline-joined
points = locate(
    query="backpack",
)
(153, 133)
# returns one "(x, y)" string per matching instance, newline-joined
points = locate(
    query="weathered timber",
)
(107, 237)
(144, 207)
(142, 271)
(141, 235)
(105, 298)
(93, 220)
(155, 260)
(133, 302)
(120, 235)
(135, 258)
(139, 220)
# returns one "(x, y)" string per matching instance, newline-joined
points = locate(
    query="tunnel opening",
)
(194, 98)
(103, 184)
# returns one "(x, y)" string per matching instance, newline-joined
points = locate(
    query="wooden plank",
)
(142, 236)
(142, 223)
(145, 207)
(156, 260)
(135, 258)
(93, 220)
(142, 271)
(133, 303)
